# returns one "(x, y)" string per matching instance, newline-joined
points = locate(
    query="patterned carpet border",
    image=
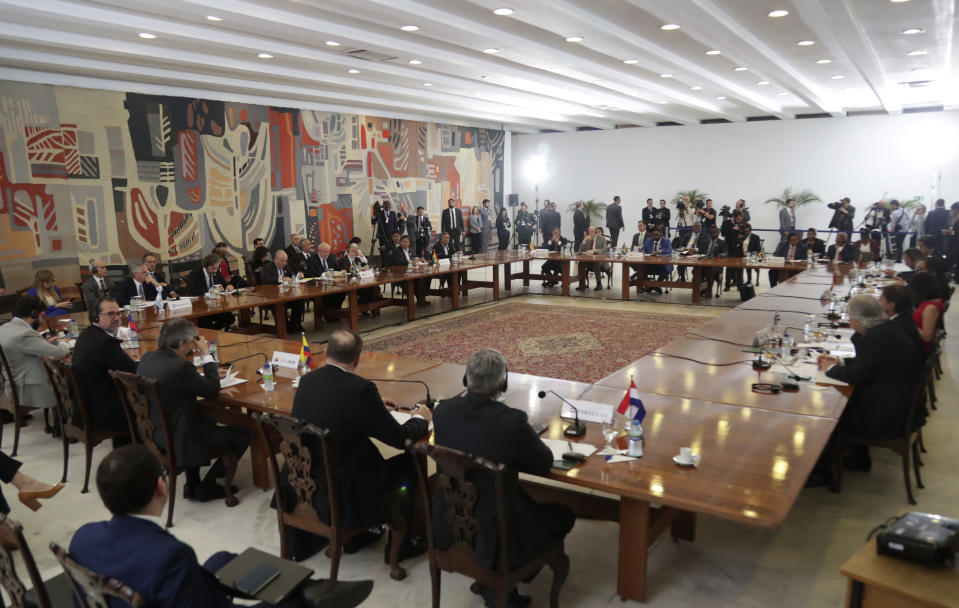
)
(572, 343)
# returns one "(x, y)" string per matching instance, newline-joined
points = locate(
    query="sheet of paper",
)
(231, 381)
(589, 411)
(560, 446)
(618, 458)
(402, 417)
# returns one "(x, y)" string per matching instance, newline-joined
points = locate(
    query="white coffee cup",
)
(686, 454)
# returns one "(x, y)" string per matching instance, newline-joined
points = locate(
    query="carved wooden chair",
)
(91, 590)
(134, 391)
(460, 496)
(285, 436)
(11, 405)
(12, 532)
(74, 417)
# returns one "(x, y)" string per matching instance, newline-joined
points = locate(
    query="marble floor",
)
(729, 565)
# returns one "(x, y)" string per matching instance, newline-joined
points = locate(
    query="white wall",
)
(860, 157)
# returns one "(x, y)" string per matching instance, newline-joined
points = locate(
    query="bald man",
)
(273, 273)
(98, 285)
(316, 265)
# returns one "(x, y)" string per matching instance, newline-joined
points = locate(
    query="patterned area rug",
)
(571, 343)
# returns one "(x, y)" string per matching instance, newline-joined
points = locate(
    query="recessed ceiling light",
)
(599, 82)
(714, 52)
(410, 28)
(721, 97)
(898, 1)
(574, 39)
(696, 88)
(779, 13)
(665, 75)
(668, 27)
(485, 77)
(823, 61)
(265, 56)
(740, 69)
(147, 35)
(415, 62)
(838, 77)
(427, 84)
(353, 71)
(763, 83)
(806, 43)
(912, 30)
(919, 70)
(662, 102)
(631, 61)
(213, 18)
(491, 51)
(917, 53)
(332, 43)
(502, 12)
(782, 93)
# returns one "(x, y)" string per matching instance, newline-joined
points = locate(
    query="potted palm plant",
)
(799, 197)
(591, 209)
(679, 200)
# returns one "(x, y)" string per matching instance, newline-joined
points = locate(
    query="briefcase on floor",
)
(746, 291)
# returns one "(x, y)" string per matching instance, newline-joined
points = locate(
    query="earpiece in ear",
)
(464, 379)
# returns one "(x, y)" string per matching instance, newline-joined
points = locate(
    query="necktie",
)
(712, 244)
(209, 280)
(140, 289)
(103, 288)
(324, 265)
(792, 252)
(655, 246)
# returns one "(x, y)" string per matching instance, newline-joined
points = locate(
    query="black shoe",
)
(412, 547)
(598, 286)
(204, 492)
(727, 288)
(582, 287)
(513, 600)
(545, 284)
(336, 594)
(363, 539)
(55, 432)
(659, 290)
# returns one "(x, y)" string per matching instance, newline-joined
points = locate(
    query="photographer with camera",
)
(843, 214)
(706, 214)
(741, 205)
(525, 226)
(662, 217)
(733, 231)
(383, 221)
(899, 224)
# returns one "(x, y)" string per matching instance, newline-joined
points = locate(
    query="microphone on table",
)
(792, 375)
(430, 402)
(250, 356)
(577, 428)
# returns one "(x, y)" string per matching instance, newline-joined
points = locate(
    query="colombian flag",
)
(436, 260)
(531, 248)
(305, 357)
(133, 325)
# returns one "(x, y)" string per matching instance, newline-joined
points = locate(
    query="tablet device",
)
(256, 579)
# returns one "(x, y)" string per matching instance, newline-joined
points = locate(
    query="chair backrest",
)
(460, 496)
(286, 436)
(137, 394)
(90, 589)
(252, 276)
(917, 412)
(13, 532)
(83, 297)
(6, 382)
(67, 394)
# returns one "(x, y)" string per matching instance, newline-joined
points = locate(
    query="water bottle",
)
(74, 329)
(213, 353)
(267, 378)
(635, 439)
(809, 327)
(211, 294)
(787, 346)
(135, 337)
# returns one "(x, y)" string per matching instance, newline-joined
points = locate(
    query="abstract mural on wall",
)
(98, 174)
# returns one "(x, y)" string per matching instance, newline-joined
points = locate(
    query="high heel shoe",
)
(32, 499)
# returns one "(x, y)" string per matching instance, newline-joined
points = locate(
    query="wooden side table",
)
(879, 581)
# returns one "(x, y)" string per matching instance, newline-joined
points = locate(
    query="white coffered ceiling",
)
(625, 70)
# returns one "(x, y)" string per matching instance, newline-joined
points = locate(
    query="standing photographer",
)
(899, 224)
(733, 231)
(706, 214)
(741, 205)
(843, 214)
(662, 217)
(383, 221)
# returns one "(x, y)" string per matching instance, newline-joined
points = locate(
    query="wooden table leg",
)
(697, 282)
(783, 275)
(279, 315)
(525, 273)
(455, 281)
(634, 522)
(496, 282)
(317, 313)
(508, 276)
(565, 266)
(410, 303)
(244, 317)
(259, 461)
(626, 269)
(684, 526)
(354, 301)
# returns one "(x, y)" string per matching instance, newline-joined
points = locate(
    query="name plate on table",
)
(367, 274)
(443, 263)
(179, 304)
(541, 253)
(635, 255)
(285, 360)
(589, 411)
(774, 260)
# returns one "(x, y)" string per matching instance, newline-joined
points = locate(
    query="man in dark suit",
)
(294, 247)
(751, 244)
(98, 285)
(841, 250)
(649, 213)
(732, 231)
(297, 261)
(614, 220)
(640, 237)
(713, 247)
(156, 277)
(883, 383)
(656, 245)
(134, 549)
(662, 217)
(452, 222)
(420, 230)
(372, 490)
(552, 220)
(814, 245)
(580, 225)
(386, 253)
(273, 273)
(387, 220)
(319, 263)
(842, 217)
(196, 436)
(97, 351)
(790, 249)
(136, 285)
(444, 249)
(199, 283)
(478, 424)
(404, 256)
(896, 302)
(937, 220)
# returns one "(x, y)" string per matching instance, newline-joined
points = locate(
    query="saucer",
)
(685, 463)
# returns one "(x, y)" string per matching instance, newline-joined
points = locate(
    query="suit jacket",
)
(443, 252)
(291, 251)
(787, 221)
(425, 231)
(296, 261)
(486, 219)
(684, 238)
(144, 556)
(719, 249)
(96, 353)
(314, 266)
(196, 282)
(178, 385)
(733, 237)
(24, 349)
(127, 290)
(350, 407)
(478, 425)
(92, 292)
(389, 222)
(883, 383)
(399, 257)
(649, 215)
(818, 246)
(754, 245)
(580, 225)
(270, 274)
(452, 221)
(665, 247)
(936, 221)
(598, 242)
(551, 219)
(783, 249)
(614, 217)
(848, 253)
(908, 325)
(638, 240)
(702, 242)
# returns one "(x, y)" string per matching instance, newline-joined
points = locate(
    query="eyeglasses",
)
(111, 313)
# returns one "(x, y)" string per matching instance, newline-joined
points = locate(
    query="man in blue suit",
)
(790, 249)
(134, 548)
(656, 245)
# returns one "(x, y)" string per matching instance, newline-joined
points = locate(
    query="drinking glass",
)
(610, 433)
